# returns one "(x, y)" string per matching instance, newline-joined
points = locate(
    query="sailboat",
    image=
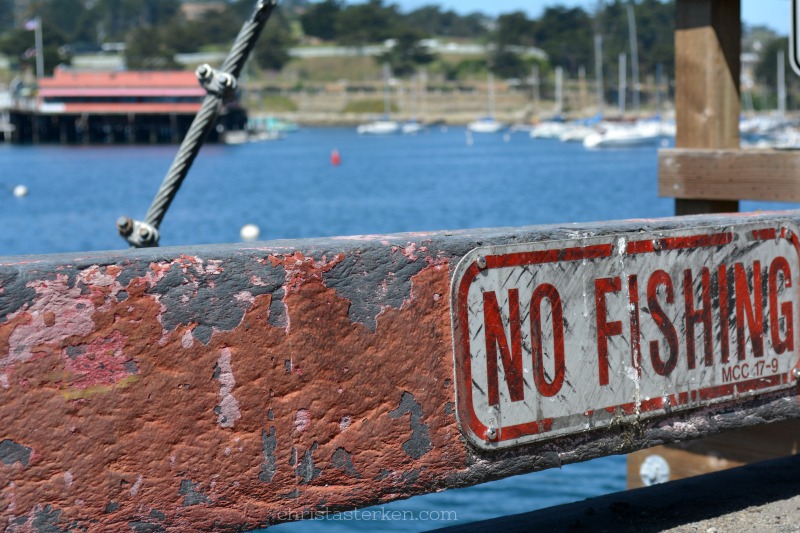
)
(487, 124)
(384, 125)
(641, 132)
(412, 126)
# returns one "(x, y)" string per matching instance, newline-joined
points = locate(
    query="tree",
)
(372, 22)
(62, 15)
(320, 19)
(513, 30)
(20, 44)
(119, 17)
(566, 35)
(507, 64)
(147, 49)
(272, 49)
(655, 25)
(767, 68)
(433, 21)
(6, 15)
(408, 53)
(212, 27)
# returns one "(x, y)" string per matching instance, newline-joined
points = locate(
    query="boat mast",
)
(598, 56)
(491, 95)
(559, 90)
(623, 83)
(781, 84)
(598, 70)
(386, 92)
(634, 58)
(659, 84)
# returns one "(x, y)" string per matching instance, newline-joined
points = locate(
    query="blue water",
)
(290, 189)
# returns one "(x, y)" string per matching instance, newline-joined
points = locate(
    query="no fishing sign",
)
(564, 337)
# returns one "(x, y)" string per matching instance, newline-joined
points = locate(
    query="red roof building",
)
(108, 93)
(82, 107)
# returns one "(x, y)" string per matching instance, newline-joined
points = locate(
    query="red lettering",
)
(750, 310)
(727, 374)
(657, 279)
(724, 316)
(496, 338)
(780, 264)
(636, 348)
(547, 388)
(605, 329)
(695, 316)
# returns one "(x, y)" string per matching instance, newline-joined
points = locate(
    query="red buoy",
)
(336, 159)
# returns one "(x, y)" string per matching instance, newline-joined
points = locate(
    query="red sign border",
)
(463, 372)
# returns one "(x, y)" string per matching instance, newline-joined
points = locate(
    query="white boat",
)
(625, 136)
(384, 126)
(548, 129)
(575, 133)
(487, 124)
(248, 136)
(411, 127)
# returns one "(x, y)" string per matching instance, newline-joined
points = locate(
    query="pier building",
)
(74, 107)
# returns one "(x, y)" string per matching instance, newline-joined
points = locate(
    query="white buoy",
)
(20, 191)
(249, 232)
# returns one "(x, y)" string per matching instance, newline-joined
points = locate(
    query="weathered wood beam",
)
(228, 387)
(707, 67)
(728, 175)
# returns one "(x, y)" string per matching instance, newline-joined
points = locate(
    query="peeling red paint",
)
(58, 313)
(302, 420)
(102, 362)
(176, 423)
(301, 269)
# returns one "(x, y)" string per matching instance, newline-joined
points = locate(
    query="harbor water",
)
(436, 180)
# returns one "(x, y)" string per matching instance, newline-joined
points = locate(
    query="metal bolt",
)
(656, 245)
(225, 80)
(666, 401)
(796, 373)
(203, 71)
(481, 262)
(144, 232)
(491, 433)
(124, 226)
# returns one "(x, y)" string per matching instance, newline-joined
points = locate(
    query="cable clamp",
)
(138, 234)
(220, 84)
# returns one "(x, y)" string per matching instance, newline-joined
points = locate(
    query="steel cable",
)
(204, 120)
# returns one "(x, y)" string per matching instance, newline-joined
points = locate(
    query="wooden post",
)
(707, 49)
(712, 180)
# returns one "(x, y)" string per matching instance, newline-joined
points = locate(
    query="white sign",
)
(563, 337)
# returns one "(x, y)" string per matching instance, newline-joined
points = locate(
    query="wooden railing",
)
(234, 386)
